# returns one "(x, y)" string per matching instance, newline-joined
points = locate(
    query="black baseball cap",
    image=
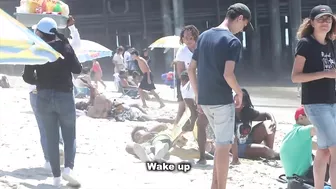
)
(243, 10)
(319, 11)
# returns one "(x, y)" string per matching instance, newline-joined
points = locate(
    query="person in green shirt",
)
(296, 149)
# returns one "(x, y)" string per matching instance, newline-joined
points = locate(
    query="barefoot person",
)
(55, 102)
(217, 52)
(147, 80)
(314, 67)
(75, 44)
(197, 116)
(188, 38)
(97, 73)
(249, 138)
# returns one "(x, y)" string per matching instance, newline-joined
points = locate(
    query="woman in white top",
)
(118, 60)
(75, 43)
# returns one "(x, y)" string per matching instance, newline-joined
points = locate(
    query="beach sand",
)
(101, 160)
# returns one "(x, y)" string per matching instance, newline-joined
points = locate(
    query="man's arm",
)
(76, 41)
(230, 77)
(29, 75)
(180, 67)
(192, 77)
(231, 59)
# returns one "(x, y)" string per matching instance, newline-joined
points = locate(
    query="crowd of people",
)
(208, 88)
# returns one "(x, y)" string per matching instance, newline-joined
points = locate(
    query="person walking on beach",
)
(97, 73)
(188, 37)
(215, 56)
(314, 67)
(118, 60)
(147, 83)
(75, 43)
(55, 102)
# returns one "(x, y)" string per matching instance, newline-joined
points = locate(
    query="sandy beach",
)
(101, 160)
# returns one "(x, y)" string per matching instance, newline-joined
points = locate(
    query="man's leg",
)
(157, 98)
(46, 109)
(65, 104)
(142, 97)
(43, 139)
(221, 118)
(202, 123)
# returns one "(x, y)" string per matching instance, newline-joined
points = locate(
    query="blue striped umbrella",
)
(90, 50)
(19, 45)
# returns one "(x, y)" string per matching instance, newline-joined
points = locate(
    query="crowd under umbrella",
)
(167, 43)
(20, 46)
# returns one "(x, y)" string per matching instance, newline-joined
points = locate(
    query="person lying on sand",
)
(155, 143)
(296, 150)
(249, 138)
(133, 112)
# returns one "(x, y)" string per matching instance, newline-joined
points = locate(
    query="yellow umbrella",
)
(167, 42)
(19, 45)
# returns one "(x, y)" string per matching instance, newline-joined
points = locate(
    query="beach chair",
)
(128, 91)
(81, 92)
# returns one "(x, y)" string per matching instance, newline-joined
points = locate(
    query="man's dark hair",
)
(120, 49)
(122, 72)
(135, 52)
(246, 99)
(85, 70)
(184, 76)
(135, 130)
(194, 32)
(127, 47)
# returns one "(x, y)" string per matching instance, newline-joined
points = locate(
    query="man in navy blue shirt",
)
(217, 52)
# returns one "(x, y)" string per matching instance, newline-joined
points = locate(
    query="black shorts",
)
(144, 85)
(178, 90)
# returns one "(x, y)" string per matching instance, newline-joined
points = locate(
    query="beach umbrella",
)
(19, 45)
(90, 50)
(168, 42)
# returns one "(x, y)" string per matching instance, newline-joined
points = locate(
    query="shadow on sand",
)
(30, 173)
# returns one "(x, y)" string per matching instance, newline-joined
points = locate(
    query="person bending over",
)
(296, 151)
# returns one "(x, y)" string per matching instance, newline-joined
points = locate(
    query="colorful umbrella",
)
(19, 45)
(167, 42)
(90, 50)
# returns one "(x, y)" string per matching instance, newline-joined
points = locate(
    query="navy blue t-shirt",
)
(214, 47)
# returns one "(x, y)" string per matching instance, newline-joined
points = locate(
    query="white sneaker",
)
(57, 182)
(47, 166)
(141, 153)
(161, 150)
(61, 152)
(68, 175)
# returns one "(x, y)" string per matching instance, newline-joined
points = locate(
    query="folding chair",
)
(128, 91)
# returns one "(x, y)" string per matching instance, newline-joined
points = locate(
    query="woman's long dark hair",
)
(246, 99)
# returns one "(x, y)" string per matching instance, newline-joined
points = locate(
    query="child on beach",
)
(147, 80)
(296, 151)
(97, 73)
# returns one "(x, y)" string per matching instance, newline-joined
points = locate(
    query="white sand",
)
(101, 160)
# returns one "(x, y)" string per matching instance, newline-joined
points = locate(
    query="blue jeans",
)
(43, 140)
(58, 107)
(323, 117)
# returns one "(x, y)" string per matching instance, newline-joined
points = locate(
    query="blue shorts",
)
(242, 147)
(323, 117)
(222, 120)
